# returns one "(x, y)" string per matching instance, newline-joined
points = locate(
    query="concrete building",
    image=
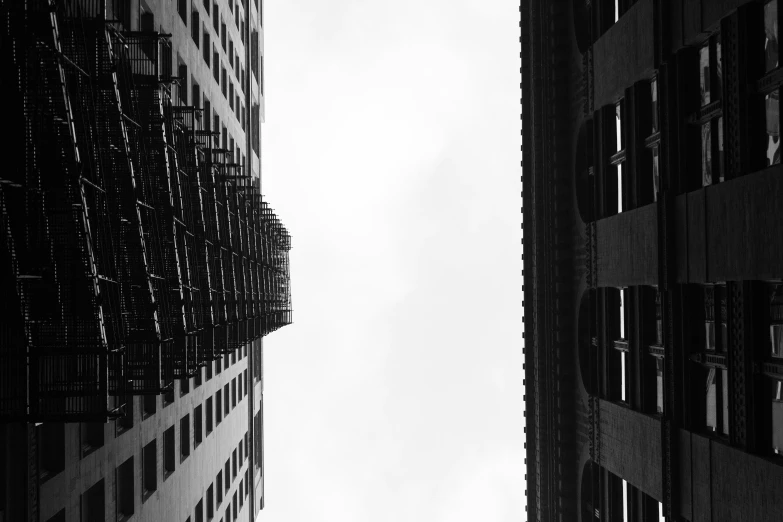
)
(139, 264)
(652, 259)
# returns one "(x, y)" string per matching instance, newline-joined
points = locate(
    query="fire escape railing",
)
(133, 250)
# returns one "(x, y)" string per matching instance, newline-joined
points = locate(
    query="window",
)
(231, 95)
(182, 72)
(223, 36)
(184, 437)
(261, 80)
(200, 511)
(195, 27)
(125, 422)
(234, 505)
(224, 87)
(219, 360)
(231, 52)
(771, 60)
(209, 416)
(124, 489)
(712, 361)
(227, 474)
(51, 449)
(218, 407)
(254, 53)
(150, 405)
(710, 116)
(210, 502)
(226, 399)
(92, 436)
(619, 359)
(207, 121)
(169, 461)
(653, 142)
(219, 484)
(206, 6)
(239, 380)
(149, 476)
(216, 68)
(184, 385)
(617, 159)
(168, 396)
(93, 503)
(241, 460)
(207, 47)
(182, 9)
(197, 420)
(769, 89)
(215, 19)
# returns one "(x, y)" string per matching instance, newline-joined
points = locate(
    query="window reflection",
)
(777, 416)
(706, 155)
(721, 164)
(771, 106)
(717, 86)
(618, 126)
(656, 174)
(659, 384)
(771, 34)
(704, 74)
(654, 95)
(712, 400)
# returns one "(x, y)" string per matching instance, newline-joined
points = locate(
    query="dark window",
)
(234, 505)
(125, 422)
(58, 517)
(149, 478)
(771, 60)
(195, 27)
(197, 423)
(219, 485)
(168, 396)
(182, 9)
(234, 463)
(51, 449)
(184, 437)
(710, 115)
(219, 360)
(218, 407)
(200, 511)
(150, 405)
(210, 502)
(227, 474)
(215, 19)
(182, 72)
(92, 436)
(223, 36)
(226, 399)
(207, 122)
(94, 503)
(223, 85)
(241, 460)
(184, 384)
(206, 6)
(254, 53)
(208, 416)
(216, 67)
(207, 48)
(197, 104)
(125, 488)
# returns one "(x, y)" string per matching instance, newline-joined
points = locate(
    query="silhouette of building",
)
(140, 267)
(653, 259)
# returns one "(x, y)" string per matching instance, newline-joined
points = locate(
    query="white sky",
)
(392, 153)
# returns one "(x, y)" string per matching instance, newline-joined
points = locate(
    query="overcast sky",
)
(391, 150)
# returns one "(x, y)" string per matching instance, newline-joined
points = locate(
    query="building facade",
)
(652, 259)
(140, 266)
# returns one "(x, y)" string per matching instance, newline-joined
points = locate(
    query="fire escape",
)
(133, 250)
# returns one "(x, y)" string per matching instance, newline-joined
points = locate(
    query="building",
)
(140, 267)
(652, 259)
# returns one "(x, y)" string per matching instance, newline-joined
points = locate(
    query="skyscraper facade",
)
(140, 266)
(652, 259)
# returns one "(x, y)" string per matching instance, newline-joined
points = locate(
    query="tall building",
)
(140, 267)
(653, 236)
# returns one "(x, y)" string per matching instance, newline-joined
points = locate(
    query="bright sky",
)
(392, 153)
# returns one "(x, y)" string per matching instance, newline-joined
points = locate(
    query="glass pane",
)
(776, 339)
(721, 164)
(777, 424)
(661, 518)
(709, 335)
(712, 413)
(724, 337)
(724, 383)
(656, 173)
(622, 376)
(618, 125)
(654, 94)
(771, 114)
(717, 85)
(659, 383)
(771, 34)
(619, 188)
(616, 10)
(704, 74)
(706, 155)
(622, 314)
(625, 501)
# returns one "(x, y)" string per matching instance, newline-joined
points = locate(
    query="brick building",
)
(653, 259)
(140, 267)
